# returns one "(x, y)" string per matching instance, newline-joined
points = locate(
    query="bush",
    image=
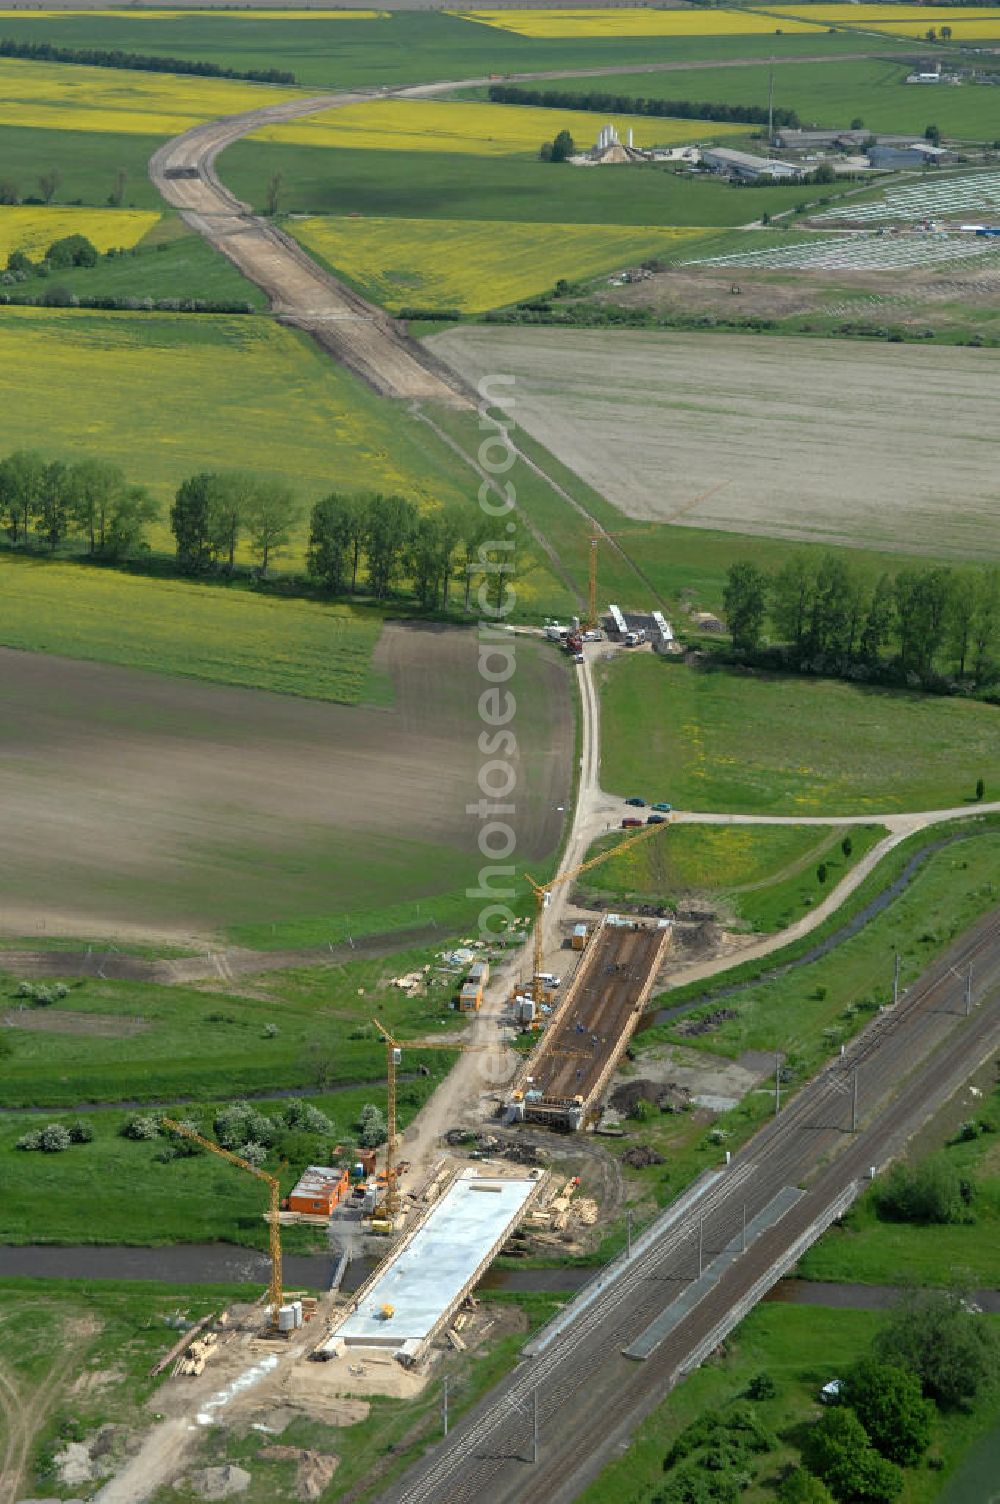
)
(140, 1126)
(30, 1141)
(762, 1387)
(81, 1132)
(254, 1153)
(839, 1452)
(372, 1125)
(71, 250)
(310, 1119)
(933, 1192)
(642, 1110)
(54, 1139)
(241, 1124)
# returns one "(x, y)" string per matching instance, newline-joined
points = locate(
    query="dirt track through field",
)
(158, 808)
(884, 446)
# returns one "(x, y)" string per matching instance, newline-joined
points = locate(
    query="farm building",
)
(817, 140)
(913, 154)
(741, 164)
(320, 1189)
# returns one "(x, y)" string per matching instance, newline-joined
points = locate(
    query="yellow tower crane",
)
(601, 535)
(542, 892)
(393, 1054)
(274, 1293)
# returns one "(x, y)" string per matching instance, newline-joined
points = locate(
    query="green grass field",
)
(864, 1247)
(811, 1010)
(182, 627)
(114, 1191)
(712, 739)
(171, 262)
(448, 185)
(834, 94)
(802, 1348)
(111, 1041)
(278, 406)
(765, 876)
(398, 47)
(87, 161)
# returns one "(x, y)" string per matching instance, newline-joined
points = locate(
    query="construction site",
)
(563, 1080)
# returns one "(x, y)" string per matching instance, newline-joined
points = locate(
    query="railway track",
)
(911, 1058)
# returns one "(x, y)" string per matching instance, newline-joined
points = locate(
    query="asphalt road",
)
(908, 1062)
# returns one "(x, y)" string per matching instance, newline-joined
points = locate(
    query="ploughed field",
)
(151, 807)
(882, 446)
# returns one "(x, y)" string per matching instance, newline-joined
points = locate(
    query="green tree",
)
(744, 601)
(980, 787)
(331, 537)
(986, 627)
(801, 1487)
(563, 147)
(95, 489)
(124, 531)
(22, 489)
(961, 616)
(71, 250)
(791, 591)
(952, 1350)
(878, 622)
(922, 600)
(52, 521)
(227, 509)
(889, 1403)
(272, 513)
(372, 1129)
(191, 522)
(390, 523)
(838, 1451)
(932, 133)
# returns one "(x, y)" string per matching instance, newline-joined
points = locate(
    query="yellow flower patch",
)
(471, 127)
(473, 265)
(54, 97)
(632, 23)
(32, 229)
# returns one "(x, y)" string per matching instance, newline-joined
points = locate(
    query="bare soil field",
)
(887, 446)
(920, 298)
(135, 803)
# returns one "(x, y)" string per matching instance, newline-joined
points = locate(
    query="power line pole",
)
(968, 992)
(534, 1423)
(744, 1248)
(854, 1101)
(628, 1232)
(895, 979)
(701, 1246)
(770, 105)
(777, 1083)
(444, 1405)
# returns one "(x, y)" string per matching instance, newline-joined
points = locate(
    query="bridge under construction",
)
(562, 1081)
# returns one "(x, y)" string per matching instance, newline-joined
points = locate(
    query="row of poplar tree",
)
(827, 616)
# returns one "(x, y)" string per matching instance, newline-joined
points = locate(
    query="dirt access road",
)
(356, 333)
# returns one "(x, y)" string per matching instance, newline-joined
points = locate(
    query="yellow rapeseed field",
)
(473, 265)
(478, 129)
(866, 15)
(631, 23)
(33, 229)
(52, 96)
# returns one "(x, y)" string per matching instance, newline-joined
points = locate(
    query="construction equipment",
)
(274, 1293)
(543, 891)
(393, 1055)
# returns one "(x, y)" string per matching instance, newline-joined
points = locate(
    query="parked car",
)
(630, 823)
(636, 801)
(579, 658)
(656, 819)
(662, 805)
